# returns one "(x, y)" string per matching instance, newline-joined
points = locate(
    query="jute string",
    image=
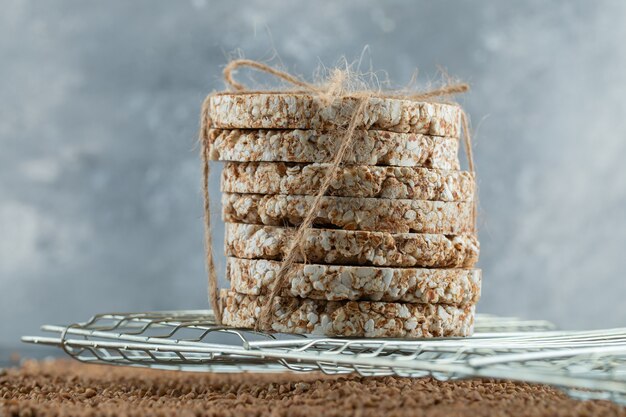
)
(333, 89)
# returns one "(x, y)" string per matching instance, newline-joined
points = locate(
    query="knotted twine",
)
(333, 89)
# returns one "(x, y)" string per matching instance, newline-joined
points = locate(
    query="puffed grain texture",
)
(348, 247)
(306, 111)
(369, 147)
(357, 283)
(349, 181)
(349, 318)
(351, 213)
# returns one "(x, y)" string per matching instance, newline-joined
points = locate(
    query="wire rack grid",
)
(585, 364)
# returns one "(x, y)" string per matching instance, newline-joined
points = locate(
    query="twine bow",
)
(333, 89)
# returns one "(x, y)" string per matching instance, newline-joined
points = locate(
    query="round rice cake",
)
(343, 282)
(349, 318)
(350, 181)
(290, 110)
(370, 147)
(351, 213)
(350, 247)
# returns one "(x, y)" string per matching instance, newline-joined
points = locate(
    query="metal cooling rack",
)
(585, 364)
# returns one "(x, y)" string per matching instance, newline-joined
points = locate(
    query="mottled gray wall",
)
(100, 205)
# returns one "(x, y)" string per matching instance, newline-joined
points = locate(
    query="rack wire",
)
(585, 364)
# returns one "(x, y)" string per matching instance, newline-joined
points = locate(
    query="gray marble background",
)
(100, 204)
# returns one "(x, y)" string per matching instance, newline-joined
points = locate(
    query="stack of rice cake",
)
(392, 248)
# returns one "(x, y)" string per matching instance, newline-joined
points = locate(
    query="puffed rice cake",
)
(349, 181)
(369, 147)
(349, 247)
(352, 213)
(343, 282)
(349, 318)
(306, 111)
